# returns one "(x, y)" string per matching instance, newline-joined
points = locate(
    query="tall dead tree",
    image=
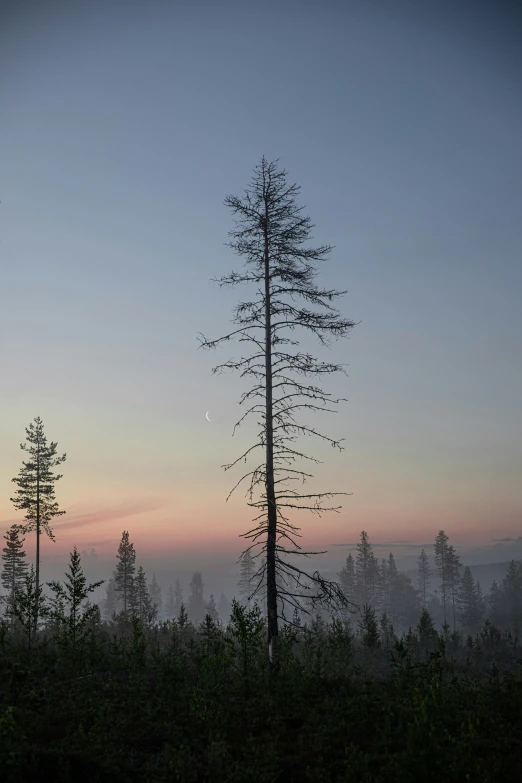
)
(270, 233)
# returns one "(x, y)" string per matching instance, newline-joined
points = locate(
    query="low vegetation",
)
(129, 700)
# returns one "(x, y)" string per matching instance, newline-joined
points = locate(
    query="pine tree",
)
(467, 602)
(454, 580)
(426, 630)
(366, 571)
(442, 561)
(124, 573)
(69, 597)
(145, 610)
(15, 565)
(35, 481)
(30, 607)
(170, 606)
(423, 577)
(369, 629)
(246, 575)
(196, 607)
(182, 619)
(156, 596)
(270, 234)
(211, 609)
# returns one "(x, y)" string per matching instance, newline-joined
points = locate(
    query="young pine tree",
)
(124, 573)
(30, 607)
(69, 601)
(369, 628)
(14, 562)
(271, 235)
(426, 631)
(35, 481)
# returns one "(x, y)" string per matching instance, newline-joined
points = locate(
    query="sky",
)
(124, 127)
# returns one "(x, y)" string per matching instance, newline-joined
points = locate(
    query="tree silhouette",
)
(366, 571)
(469, 602)
(423, 575)
(35, 481)
(443, 563)
(144, 607)
(426, 630)
(369, 628)
(68, 603)
(269, 234)
(454, 581)
(15, 564)
(124, 573)
(30, 606)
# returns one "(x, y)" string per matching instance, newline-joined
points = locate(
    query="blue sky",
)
(124, 127)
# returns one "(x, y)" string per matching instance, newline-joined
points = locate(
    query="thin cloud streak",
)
(121, 511)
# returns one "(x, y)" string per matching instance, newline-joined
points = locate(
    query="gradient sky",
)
(124, 126)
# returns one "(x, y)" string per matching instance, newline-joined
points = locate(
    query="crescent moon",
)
(206, 416)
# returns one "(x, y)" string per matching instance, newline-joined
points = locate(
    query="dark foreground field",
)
(174, 703)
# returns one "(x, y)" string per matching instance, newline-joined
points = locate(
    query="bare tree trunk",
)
(271, 585)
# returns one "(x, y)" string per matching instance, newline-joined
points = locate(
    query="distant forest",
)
(381, 601)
